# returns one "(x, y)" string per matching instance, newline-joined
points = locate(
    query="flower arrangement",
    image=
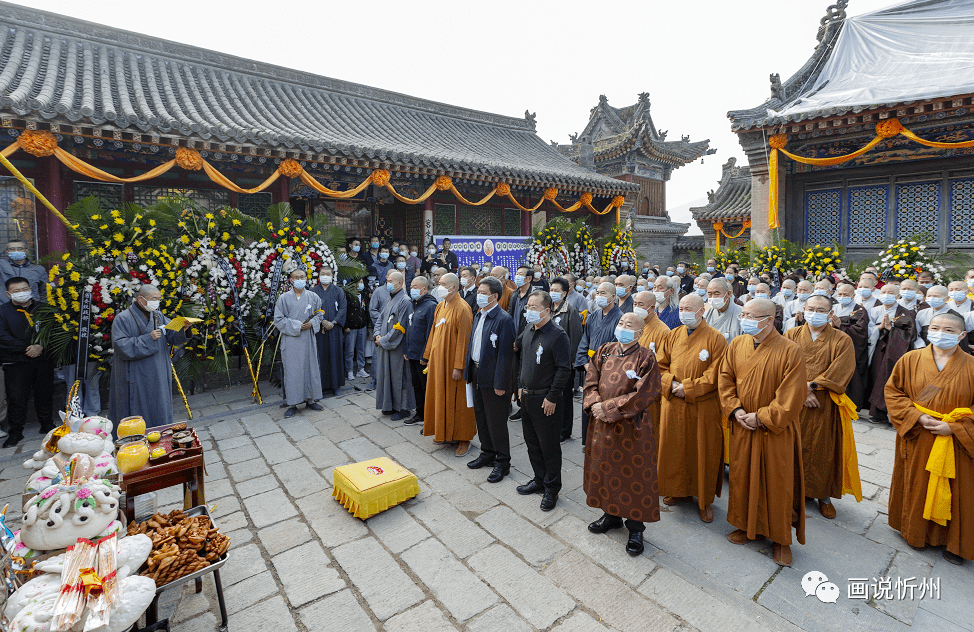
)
(907, 258)
(548, 249)
(584, 255)
(783, 254)
(617, 247)
(820, 261)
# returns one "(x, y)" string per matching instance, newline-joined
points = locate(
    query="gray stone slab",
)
(696, 607)
(284, 536)
(239, 537)
(239, 455)
(414, 459)
(225, 430)
(354, 415)
(226, 506)
(956, 593)
(231, 522)
(304, 573)
(850, 515)
(299, 478)
(451, 527)
(247, 470)
(237, 441)
(215, 472)
(206, 622)
(380, 433)
(579, 622)
(451, 583)
(531, 594)
(243, 564)
(397, 529)
(904, 604)
(361, 449)
(298, 428)
(882, 460)
(336, 429)
(531, 543)
(875, 477)
(322, 452)
(256, 486)
(527, 506)
(217, 489)
(340, 612)
(498, 618)
(613, 601)
(848, 555)
(785, 597)
(461, 493)
(256, 617)
(277, 448)
(259, 424)
(924, 620)
(268, 508)
(378, 578)
(329, 520)
(423, 618)
(607, 550)
(251, 590)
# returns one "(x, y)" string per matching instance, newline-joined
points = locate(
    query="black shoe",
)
(549, 501)
(482, 460)
(314, 406)
(13, 440)
(635, 544)
(291, 412)
(516, 415)
(567, 438)
(388, 412)
(532, 487)
(953, 558)
(605, 524)
(400, 415)
(414, 420)
(498, 473)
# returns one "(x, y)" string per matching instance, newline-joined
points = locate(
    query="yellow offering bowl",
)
(133, 453)
(131, 426)
(154, 436)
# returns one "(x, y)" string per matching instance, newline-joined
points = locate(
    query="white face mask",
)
(152, 306)
(718, 302)
(639, 311)
(326, 280)
(441, 292)
(21, 297)
(464, 281)
(660, 296)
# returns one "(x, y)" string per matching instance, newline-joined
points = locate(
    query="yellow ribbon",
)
(90, 581)
(584, 316)
(719, 229)
(399, 327)
(850, 462)
(591, 353)
(942, 467)
(30, 321)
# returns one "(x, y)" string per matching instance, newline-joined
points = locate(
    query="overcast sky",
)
(697, 58)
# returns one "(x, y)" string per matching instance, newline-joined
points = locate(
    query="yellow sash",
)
(850, 462)
(942, 467)
(584, 313)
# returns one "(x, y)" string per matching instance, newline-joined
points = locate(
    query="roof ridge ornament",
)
(531, 118)
(833, 15)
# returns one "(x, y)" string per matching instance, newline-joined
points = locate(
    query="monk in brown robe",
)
(853, 320)
(447, 416)
(620, 450)
(940, 379)
(691, 436)
(829, 365)
(500, 273)
(897, 333)
(655, 332)
(762, 389)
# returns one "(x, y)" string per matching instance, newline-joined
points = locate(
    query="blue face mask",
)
(820, 293)
(579, 288)
(751, 327)
(927, 285)
(935, 302)
(390, 287)
(620, 292)
(518, 280)
(908, 295)
(532, 317)
(17, 255)
(645, 270)
(401, 265)
(482, 300)
(942, 340)
(669, 273)
(625, 336)
(556, 297)
(299, 284)
(887, 299)
(588, 284)
(710, 269)
(701, 291)
(375, 245)
(760, 295)
(845, 300)
(601, 301)
(729, 278)
(414, 294)
(816, 319)
(356, 248)
(361, 286)
(958, 296)
(751, 289)
(788, 292)
(383, 255)
(865, 292)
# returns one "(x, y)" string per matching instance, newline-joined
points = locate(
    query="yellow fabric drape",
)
(480, 202)
(79, 166)
(719, 229)
(320, 188)
(942, 467)
(888, 128)
(37, 194)
(850, 461)
(225, 182)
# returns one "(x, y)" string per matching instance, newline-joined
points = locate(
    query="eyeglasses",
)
(743, 316)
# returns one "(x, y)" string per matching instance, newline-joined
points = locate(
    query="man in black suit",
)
(468, 286)
(488, 369)
(450, 261)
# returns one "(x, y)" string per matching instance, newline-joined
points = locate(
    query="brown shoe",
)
(707, 514)
(827, 510)
(462, 448)
(782, 554)
(738, 537)
(672, 500)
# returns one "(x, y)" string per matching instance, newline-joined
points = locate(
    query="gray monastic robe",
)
(299, 354)
(728, 322)
(393, 387)
(141, 367)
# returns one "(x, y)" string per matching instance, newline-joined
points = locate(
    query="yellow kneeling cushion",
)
(371, 487)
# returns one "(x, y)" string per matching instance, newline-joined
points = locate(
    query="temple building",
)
(885, 99)
(728, 209)
(119, 104)
(624, 143)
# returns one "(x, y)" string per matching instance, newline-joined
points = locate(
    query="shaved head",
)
(645, 300)
(759, 308)
(950, 320)
(395, 277)
(691, 302)
(631, 321)
(806, 286)
(150, 292)
(819, 301)
(608, 288)
(449, 280)
(719, 285)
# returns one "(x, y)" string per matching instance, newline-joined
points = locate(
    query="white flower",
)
(704, 354)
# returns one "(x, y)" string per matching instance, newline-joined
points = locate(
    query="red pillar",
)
(58, 239)
(283, 192)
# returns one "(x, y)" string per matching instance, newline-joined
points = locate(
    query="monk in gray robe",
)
(141, 365)
(298, 315)
(393, 388)
(331, 354)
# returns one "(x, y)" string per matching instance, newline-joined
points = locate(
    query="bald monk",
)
(763, 290)
(447, 417)
(500, 273)
(795, 310)
(620, 453)
(599, 329)
(851, 319)
(896, 333)
(655, 331)
(691, 442)
(762, 389)
(829, 365)
(940, 379)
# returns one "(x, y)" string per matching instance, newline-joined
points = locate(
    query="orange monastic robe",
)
(691, 442)
(447, 417)
(653, 337)
(767, 487)
(830, 362)
(915, 378)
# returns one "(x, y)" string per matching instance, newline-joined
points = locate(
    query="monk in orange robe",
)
(655, 332)
(762, 389)
(691, 443)
(447, 416)
(830, 361)
(926, 386)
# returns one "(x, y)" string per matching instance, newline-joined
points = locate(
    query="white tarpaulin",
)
(917, 50)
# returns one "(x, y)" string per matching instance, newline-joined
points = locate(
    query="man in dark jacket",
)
(417, 333)
(488, 369)
(28, 368)
(566, 317)
(468, 287)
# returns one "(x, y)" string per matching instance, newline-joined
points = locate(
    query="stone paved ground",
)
(468, 555)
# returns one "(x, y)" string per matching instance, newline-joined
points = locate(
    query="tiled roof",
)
(731, 200)
(65, 70)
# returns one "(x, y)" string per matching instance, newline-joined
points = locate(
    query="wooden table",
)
(187, 471)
